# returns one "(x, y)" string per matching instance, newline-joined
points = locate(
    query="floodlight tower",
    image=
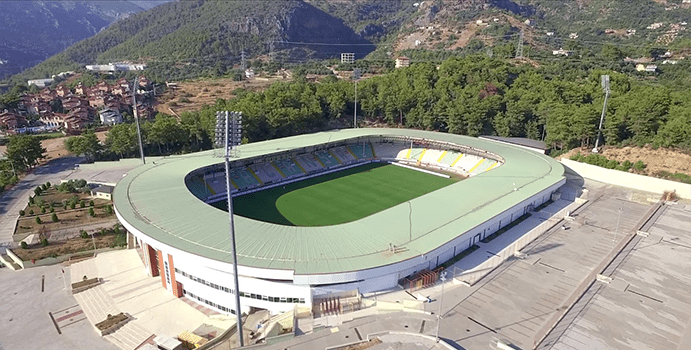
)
(604, 81)
(356, 76)
(229, 136)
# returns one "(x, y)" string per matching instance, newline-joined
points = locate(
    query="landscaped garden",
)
(63, 218)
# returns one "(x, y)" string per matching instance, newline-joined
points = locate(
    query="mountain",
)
(35, 30)
(192, 38)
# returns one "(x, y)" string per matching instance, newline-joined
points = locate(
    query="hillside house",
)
(110, 116)
(402, 61)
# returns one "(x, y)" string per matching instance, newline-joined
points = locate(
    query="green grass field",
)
(339, 197)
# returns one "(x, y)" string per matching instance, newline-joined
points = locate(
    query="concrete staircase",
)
(97, 304)
(7, 260)
(129, 336)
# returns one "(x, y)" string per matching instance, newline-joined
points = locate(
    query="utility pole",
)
(604, 82)
(136, 118)
(519, 47)
(356, 76)
(229, 136)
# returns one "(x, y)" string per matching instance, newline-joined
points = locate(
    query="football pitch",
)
(338, 197)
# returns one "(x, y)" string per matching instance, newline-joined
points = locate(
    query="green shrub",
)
(38, 190)
(109, 210)
(83, 234)
(31, 212)
(639, 165)
(43, 210)
(38, 220)
(91, 212)
(31, 200)
(52, 210)
(44, 242)
(24, 245)
(47, 184)
(73, 205)
(54, 217)
(21, 213)
(91, 203)
(82, 204)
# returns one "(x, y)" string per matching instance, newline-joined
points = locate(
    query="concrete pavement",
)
(38, 313)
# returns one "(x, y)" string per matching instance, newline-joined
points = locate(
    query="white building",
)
(110, 117)
(40, 82)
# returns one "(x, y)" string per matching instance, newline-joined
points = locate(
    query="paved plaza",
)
(38, 313)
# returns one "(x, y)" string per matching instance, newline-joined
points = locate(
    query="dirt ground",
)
(55, 148)
(205, 92)
(66, 247)
(661, 159)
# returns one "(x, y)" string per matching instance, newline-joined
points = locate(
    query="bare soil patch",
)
(661, 159)
(55, 148)
(193, 95)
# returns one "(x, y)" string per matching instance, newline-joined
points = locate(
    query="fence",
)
(472, 276)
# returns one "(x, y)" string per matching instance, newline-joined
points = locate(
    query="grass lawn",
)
(339, 197)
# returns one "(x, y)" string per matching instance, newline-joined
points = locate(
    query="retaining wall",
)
(625, 179)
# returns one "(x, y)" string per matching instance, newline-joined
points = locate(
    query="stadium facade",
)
(185, 241)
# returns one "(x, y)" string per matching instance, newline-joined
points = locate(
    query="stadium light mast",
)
(356, 77)
(604, 81)
(442, 277)
(136, 118)
(229, 136)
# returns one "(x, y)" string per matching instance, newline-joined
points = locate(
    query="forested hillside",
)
(196, 38)
(472, 95)
(35, 30)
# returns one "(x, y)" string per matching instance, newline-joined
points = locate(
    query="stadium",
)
(336, 213)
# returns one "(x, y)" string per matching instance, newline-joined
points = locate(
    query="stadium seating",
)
(431, 156)
(387, 150)
(467, 162)
(288, 167)
(326, 159)
(242, 178)
(358, 151)
(416, 153)
(449, 157)
(484, 166)
(257, 174)
(309, 162)
(266, 172)
(197, 187)
(343, 155)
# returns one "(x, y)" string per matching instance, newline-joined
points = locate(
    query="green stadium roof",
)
(155, 200)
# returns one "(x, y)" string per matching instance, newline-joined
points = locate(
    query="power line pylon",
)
(519, 47)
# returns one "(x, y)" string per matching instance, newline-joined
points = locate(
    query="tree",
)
(25, 151)
(54, 217)
(38, 220)
(86, 144)
(92, 213)
(24, 245)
